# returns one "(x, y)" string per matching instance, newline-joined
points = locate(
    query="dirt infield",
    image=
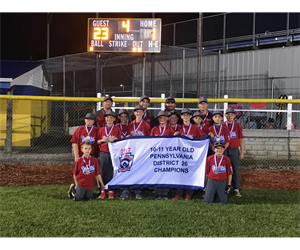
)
(61, 174)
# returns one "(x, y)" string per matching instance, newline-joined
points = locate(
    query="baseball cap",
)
(219, 143)
(107, 98)
(123, 111)
(170, 99)
(90, 116)
(197, 113)
(186, 110)
(202, 99)
(110, 112)
(218, 112)
(138, 107)
(174, 113)
(230, 110)
(162, 113)
(144, 97)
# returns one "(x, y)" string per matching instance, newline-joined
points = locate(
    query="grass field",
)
(46, 211)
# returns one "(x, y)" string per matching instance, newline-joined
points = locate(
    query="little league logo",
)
(126, 162)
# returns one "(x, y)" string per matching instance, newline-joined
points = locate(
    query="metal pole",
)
(224, 31)
(200, 28)
(9, 108)
(144, 74)
(253, 31)
(219, 76)
(289, 114)
(64, 93)
(183, 74)
(97, 56)
(152, 68)
(49, 17)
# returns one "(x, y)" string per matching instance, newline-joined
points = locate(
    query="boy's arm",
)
(103, 140)
(242, 147)
(226, 145)
(229, 178)
(75, 151)
(99, 180)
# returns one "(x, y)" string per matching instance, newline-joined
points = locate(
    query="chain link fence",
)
(42, 129)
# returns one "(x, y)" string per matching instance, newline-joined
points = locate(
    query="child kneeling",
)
(218, 175)
(85, 170)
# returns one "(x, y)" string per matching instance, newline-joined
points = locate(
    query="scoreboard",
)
(124, 35)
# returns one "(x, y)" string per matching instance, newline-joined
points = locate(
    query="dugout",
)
(29, 119)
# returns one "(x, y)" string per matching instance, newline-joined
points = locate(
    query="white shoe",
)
(237, 192)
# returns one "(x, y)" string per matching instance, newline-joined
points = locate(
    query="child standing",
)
(191, 131)
(219, 132)
(161, 130)
(108, 133)
(236, 142)
(173, 121)
(85, 133)
(123, 125)
(198, 119)
(138, 127)
(85, 170)
(218, 175)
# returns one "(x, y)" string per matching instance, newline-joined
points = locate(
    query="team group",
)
(90, 143)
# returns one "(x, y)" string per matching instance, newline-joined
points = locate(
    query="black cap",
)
(219, 143)
(186, 110)
(197, 113)
(107, 98)
(162, 113)
(90, 116)
(144, 97)
(110, 112)
(202, 99)
(138, 107)
(174, 113)
(218, 112)
(170, 99)
(123, 111)
(230, 110)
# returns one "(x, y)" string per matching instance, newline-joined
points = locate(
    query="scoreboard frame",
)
(133, 35)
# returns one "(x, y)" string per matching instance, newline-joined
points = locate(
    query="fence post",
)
(9, 114)
(162, 105)
(225, 107)
(289, 114)
(98, 103)
(113, 105)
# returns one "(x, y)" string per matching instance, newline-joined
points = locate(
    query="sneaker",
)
(176, 198)
(123, 196)
(72, 191)
(164, 197)
(237, 192)
(138, 196)
(102, 195)
(111, 195)
(117, 193)
(188, 197)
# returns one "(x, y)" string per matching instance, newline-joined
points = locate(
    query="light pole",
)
(121, 85)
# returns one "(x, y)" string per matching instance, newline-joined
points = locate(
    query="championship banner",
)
(164, 161)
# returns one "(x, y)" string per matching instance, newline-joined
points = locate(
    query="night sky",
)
(24, 35)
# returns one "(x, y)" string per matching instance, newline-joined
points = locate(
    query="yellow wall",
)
(22, 131)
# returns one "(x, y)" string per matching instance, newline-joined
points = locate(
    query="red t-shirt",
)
(176, 128)
(221, 133)
(83, 134)
(191, 131)
(141, 128)
(207, 122)
(101, 119)
(236, 133)
(85, 170)
(159, 131)
(123, 129)
(216, 170)
(105, 132)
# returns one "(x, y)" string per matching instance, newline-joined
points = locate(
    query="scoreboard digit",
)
(124, 35)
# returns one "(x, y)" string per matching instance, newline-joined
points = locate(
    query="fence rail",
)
(270, 136)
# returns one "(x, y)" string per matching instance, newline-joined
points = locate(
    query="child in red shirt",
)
(218, 175)
(191, 131)
(108, 133)
(86, 133)
(173, 121)
(236, 142)
(161, 130)
(123, 125)
(219, 132)
(198, 119)
(85, 170)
